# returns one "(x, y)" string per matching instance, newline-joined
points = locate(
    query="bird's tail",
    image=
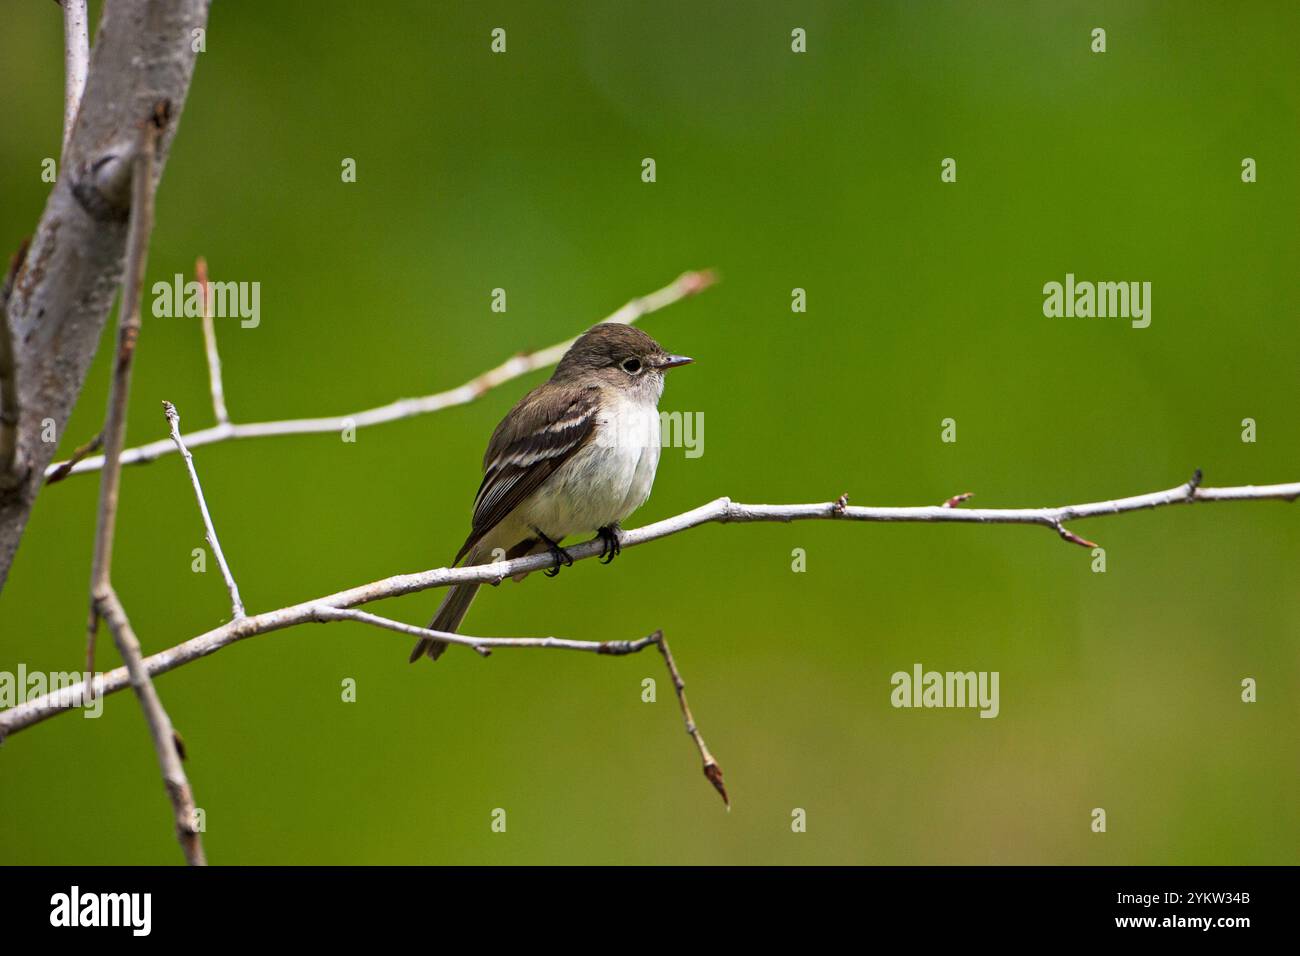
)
(450, 613)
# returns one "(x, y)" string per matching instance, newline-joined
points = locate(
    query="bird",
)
(576, 454)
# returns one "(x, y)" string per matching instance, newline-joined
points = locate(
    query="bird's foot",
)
(559, 557)
(611, 539)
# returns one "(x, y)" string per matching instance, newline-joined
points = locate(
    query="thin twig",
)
(137, 253)
(9, 407)
(104, 601)
(165, 738)
(711, 769)
(722, 511)
(65, 468)
(210, 345)
(328, 612)
(1071, 537)
(684, 286)
(76, 63)
(174, 424)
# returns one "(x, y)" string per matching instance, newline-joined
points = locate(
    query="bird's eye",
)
(632, 365)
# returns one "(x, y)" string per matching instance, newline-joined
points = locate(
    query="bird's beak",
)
(672, 361)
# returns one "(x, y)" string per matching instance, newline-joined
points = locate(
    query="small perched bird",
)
(577, 454)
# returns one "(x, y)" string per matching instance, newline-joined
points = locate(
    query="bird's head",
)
(619, 355)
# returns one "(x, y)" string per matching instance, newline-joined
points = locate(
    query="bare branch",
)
(711, 769)
(164, 736)
(684, 286)
(137, 253)
(76, 62)
(722, 511)
(210, 345)
(104, 600)
(326, 612)
(174, 423)
(1071, 537)
(62, 471)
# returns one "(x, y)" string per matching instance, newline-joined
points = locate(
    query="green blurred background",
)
(475, 171)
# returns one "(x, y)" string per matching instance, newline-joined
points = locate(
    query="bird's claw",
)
(559, 557)
(611, 538)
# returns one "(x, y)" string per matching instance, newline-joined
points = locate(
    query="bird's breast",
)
(607, 479)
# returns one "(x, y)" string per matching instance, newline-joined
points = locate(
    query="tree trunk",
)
(143, 56)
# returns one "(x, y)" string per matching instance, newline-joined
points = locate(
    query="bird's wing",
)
(539, 435)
